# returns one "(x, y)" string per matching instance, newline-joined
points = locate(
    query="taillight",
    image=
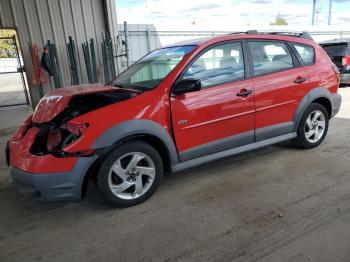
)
(346, 60)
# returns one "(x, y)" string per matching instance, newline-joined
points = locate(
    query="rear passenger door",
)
(279, 84)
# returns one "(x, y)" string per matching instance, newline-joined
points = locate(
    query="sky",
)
(229, 14)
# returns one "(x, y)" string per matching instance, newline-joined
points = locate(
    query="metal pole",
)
(148, 35)
(72, 61)
(313, 12)
(104, 57)
(86, 53)
(330, 12)
(318, 11)
(93, 60)
(58, 70)
(126, 36)
(110, 55)
(74, 53)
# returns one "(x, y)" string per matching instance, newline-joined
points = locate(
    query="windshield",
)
(148, 72)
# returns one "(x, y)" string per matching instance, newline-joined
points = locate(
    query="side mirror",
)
(186, 85)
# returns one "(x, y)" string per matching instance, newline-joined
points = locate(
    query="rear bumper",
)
(345, 78)
(336, 103)
(53, 186)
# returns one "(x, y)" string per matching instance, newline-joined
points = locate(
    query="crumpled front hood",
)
(55, 101)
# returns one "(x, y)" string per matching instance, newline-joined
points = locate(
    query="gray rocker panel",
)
(234, 151)
(218, 145)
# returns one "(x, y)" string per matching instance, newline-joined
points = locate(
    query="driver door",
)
(220, 116)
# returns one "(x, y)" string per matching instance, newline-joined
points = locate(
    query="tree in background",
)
(7, 46)
(279, 20)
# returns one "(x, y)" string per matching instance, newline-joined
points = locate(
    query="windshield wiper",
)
(119, 85)
(128, 88)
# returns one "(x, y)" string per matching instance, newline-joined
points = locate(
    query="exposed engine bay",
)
(55, 135)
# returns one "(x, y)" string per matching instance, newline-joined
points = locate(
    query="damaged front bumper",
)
(45, 177)
(53, 186)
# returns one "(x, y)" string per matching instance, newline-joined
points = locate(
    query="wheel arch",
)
(317, 95)
(144, 130)
(326, 103)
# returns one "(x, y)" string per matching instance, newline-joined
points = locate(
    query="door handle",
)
(299, 80)
(244, 93)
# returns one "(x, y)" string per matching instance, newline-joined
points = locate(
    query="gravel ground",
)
(273, 204)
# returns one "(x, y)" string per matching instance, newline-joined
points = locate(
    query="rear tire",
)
(130, 174)
(313, 127)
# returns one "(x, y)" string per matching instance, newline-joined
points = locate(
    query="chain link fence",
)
(135, 41)
(12, 83)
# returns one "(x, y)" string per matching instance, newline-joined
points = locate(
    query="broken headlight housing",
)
(52, 140)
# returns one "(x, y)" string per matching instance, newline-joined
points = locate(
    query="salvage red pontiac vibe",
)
(178, 107)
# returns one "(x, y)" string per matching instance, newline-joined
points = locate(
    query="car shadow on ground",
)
(94, 201)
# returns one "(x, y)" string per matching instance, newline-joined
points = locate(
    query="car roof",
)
(301, 38)
(336, 41)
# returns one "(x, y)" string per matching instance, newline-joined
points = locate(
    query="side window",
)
(220, 64)
(269, 57)
(305, 54)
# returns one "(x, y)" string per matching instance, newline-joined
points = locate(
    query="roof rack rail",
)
(234, 33)
(252, 32)
(303, 34)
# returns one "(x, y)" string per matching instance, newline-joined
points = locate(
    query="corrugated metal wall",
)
(40, 20)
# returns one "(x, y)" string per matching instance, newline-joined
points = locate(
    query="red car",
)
(178, 107)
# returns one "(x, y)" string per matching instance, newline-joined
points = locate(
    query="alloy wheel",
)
(315, 126)
(131, 175)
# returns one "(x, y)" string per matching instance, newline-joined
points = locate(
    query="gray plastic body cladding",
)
(274, 130)
(336, 103)
(218, 145)
(237, 141)
(335, 100)
(53, 186)
(231, 152)
(137, 127)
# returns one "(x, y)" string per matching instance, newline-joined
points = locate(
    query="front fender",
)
(136, 127)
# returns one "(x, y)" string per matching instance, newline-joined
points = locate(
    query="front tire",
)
(313, 127)
(130, 174)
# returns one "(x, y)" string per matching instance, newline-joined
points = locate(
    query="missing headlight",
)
(51, 139)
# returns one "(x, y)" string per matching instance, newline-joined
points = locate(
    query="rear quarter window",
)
(269, 57)
(305, 53)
